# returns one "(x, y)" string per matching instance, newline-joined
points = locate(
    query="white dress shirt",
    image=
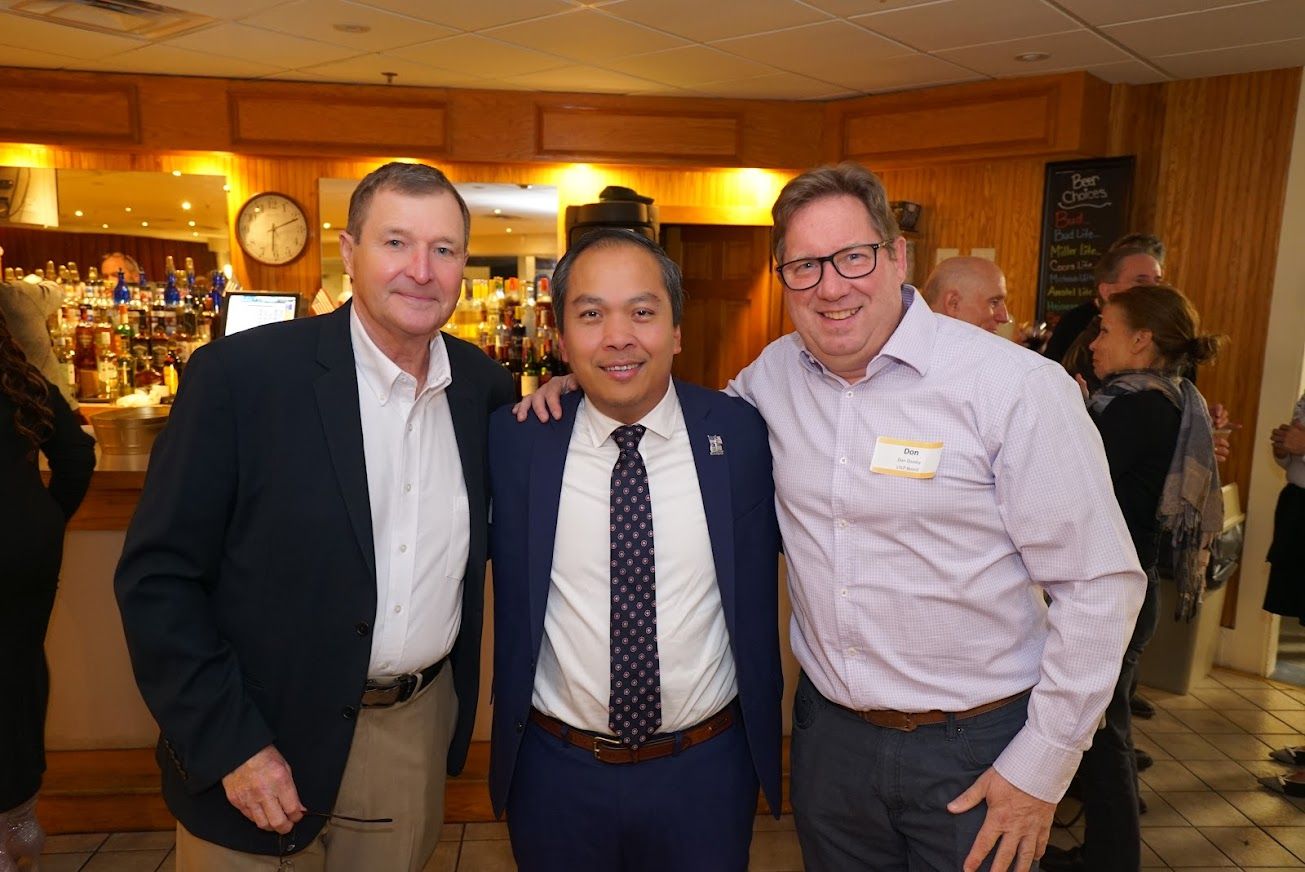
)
(573, 681)
(421, 523)
(915, 593)
(1295, 463)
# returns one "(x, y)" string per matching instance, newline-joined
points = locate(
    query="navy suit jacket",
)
(738, 495)
(247, 583)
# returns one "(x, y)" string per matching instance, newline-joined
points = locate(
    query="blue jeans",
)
(874, 798)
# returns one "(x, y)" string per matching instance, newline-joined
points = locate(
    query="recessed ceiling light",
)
(78, 213)
(194, 233)
(190, 223)
(498, 211)
(144, 224)
(185, 205)
(1030, 57)
(326, 225)
(177, 173)
(226, 188)
(509, 230)
(351, 28)
(126, 209)
(104, 226)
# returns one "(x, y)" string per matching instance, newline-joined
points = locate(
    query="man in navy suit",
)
(636, 658)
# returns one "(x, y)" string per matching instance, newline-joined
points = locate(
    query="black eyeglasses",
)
(853, 262)
(284, 849)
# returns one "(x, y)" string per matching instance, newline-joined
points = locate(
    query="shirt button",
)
(842, 522)
(843, 592)
(851, 652)
(406, 488)
(385, 664)
(398, 609)
(362, 628)
(842, 460)
(348, 712)
(403, 549)
(411, 428)
(848, 394)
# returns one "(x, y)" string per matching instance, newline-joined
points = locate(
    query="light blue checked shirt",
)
(917, 594)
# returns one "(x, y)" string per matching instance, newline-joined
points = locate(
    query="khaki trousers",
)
(396, 769)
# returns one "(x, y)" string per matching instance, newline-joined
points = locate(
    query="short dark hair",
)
(848, 179)
(1152, 245)
(413, 179)
(609, 237)
(1107, 268)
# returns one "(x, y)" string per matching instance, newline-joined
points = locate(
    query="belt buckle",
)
(908, 723)
(602, 743)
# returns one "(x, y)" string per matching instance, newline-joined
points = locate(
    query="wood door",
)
(733, 305)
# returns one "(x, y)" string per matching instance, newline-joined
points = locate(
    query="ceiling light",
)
(190, 223)
(194, 233)
(177, 173)
(498, 211)
(185, 205)
(326, 225)
(509, 230)
(226, 188)
(1030, 57)
(144, 224)
(126, 209)
(351, 28)
(78, 213)
(104, 226)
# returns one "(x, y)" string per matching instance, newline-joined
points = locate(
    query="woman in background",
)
(34, 417)
(1159, 442)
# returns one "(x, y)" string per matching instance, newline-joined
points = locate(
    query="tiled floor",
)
(1207, 811)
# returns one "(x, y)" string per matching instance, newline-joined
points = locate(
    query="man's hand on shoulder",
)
(263, 790)
(546, 402)
(1019, 821)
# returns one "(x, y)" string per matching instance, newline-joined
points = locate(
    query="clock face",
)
(272, 229)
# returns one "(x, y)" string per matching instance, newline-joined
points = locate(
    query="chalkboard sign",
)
(1084, 209)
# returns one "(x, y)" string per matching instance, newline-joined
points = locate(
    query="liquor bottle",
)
(502, 336)
(517, 349)
(219, 285)
(530, 372)
(84, 361)
(171, 372)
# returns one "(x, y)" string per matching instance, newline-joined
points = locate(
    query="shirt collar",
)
(380, 373)
(911, 343)
(663, 419)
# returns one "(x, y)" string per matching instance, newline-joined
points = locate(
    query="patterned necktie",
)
(634, 710)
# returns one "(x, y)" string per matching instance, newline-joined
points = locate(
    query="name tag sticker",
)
(906, 457)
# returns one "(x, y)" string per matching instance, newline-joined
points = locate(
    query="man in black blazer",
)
(636, 654)
(302, 583)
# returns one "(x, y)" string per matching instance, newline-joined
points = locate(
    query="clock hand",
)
(284, 223)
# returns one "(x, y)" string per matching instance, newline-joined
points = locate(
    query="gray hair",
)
(413, 179)
(609, 237)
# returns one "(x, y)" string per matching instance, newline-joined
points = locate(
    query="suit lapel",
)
(714, 482)
(337, 402)
(468, 425)
(547, 465)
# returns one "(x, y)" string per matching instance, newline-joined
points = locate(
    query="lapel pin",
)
(715, 446)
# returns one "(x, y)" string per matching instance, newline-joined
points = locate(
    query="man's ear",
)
(951, 303)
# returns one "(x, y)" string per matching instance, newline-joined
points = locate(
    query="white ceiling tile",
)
(836, 52)
(1097, 12)
(1242, 59)
(860, 7)
(170, 60)
(15, 56)
(367, 70)
(260, 46)
(586, 79)
(1067, 51)
(489, 56)
(1247, 24)
(316, 19)
(912, 71)
(718, 19)
(1127, 73)
(472, 15)
(776, 86)
(585, 35)
(688, 66)
(967, 22)
(22, 32)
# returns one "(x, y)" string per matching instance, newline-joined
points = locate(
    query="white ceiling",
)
(783, 49)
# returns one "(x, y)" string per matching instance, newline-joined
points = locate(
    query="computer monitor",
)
(242, 310)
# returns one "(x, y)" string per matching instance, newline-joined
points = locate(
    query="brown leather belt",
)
(380, 694)
(609, 749)
(908, 721)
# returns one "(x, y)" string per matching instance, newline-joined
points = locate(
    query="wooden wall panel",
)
(71, 108)
(408, 124)
(568, 132)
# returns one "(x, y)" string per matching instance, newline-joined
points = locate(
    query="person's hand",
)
(546, 401)
(262, 790)
(1292, 440)
(1276, 439)
(1082, 385)
(1017, 823)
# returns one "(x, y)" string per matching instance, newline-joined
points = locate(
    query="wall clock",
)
(272, 229)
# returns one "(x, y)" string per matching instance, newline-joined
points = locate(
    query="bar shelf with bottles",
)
(113, 337)
(513, 322)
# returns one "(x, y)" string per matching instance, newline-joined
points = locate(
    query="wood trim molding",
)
(400, 124)
(591, 132)
(70, 109)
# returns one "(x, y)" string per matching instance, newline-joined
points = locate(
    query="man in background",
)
(969, 289)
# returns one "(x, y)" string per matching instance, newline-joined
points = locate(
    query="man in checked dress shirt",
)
(942, 707)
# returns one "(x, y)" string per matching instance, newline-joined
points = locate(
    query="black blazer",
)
(247, 583)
